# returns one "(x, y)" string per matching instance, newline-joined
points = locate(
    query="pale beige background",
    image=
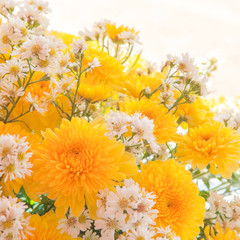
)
(201, 27)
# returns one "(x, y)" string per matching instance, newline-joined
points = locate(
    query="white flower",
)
(117, 123)
(14, 69)
(6, 5)
(41, 6)
(129, 37)
(143, 128)
(62, 63)
(14, 157)
(69, 226)
(78, 46)
(34, 47)
(166, 233)
(142, 233)
(108, 226)
(64, 84)
(95, 63)
(37, 104)
(10, 90)
(73, 225)
(90, 235)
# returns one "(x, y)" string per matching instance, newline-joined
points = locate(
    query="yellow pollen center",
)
(6, 39)
(21, 156)
(14, 70)
(82, 218)
(65, 86)
(182, 66)
(43, 63)
(36, 49)
(111, 224)
(10, 168)
(5, 151)
(63, 63)
(7, 224)
(140, 238)
(123, 203)
(40, 8)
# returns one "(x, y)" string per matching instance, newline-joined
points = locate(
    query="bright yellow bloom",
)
(35, 120)
(77, 160)
(113, 31)
(221, 234)
(177, 198)
(46, 228)
(195, 113)
(135, 83)
(165, 126)
(214, 144)
(66, 37)
(110, 72)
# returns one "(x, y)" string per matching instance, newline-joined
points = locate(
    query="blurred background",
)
(204, 28)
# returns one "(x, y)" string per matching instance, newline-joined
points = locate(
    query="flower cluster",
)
(98, 143)
(14, 157)
(13, 222)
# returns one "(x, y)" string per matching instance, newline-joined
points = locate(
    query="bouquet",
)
(96, 142)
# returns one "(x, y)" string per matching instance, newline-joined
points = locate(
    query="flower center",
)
(5, 151)
(14, 70)
(140, 238)
(123, 203)
(7, 224)
(71, 221)
(82, 218)
(111, 224)
(78, 159)
(10, 168)
(36, 49)
(43, 63)
(141, 207)
(5, 39)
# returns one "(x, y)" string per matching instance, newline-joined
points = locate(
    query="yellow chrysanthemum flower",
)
(177, 198)
(45, 228)
(94, 92)
(111, 70)
(113, 31)
(214, 144)
(35, 120)
(221, 234)
(135, 83)
(195, 113)
(66, 37)
(77, 160)
(165, 125)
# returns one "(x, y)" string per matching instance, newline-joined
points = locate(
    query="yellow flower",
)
(195, 113)
(177, 198)
(221, 234)
(165, 126)
(214, 144)
(45, 228)
(110, 72)
(35, 120)
(94, 92)
(66, 37)
(77, 160)
(135, 83)
(113, 31)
